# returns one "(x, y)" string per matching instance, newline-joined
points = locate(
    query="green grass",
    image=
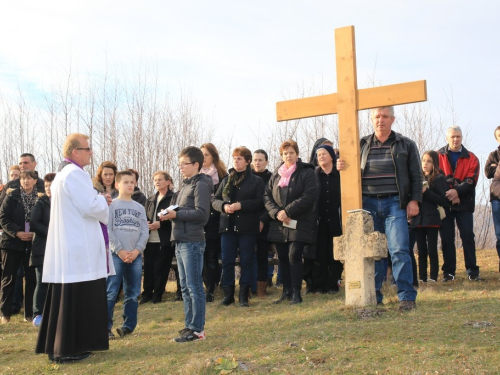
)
(320, 336)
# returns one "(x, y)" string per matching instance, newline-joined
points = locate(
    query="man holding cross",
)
(391, 188)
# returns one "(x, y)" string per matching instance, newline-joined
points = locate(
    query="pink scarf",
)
(285, 174)
(212, 172)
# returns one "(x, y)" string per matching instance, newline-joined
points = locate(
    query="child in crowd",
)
(428, 221)
(128, 235)
(188, 222)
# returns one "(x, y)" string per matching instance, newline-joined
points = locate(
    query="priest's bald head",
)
(76, 147)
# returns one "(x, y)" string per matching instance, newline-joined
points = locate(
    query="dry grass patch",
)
(454, 330)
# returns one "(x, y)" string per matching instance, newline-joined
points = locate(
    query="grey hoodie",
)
(193, 199)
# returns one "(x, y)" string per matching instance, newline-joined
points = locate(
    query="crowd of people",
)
(70, 236)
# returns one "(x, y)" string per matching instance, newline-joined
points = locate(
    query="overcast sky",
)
(238, 58)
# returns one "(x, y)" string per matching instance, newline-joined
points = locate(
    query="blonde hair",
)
(71, 143)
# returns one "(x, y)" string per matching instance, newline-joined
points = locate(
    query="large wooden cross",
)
(347, 102)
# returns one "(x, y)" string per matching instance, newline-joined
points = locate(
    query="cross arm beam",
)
(402, 93)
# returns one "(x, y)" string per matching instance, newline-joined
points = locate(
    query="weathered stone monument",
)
(358, 248)
(347, 102)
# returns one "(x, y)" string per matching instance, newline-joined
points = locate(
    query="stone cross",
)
(359, 267)
(347, 102)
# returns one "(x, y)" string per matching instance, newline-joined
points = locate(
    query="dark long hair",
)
(106, 164)
(435, 166)
(219, 164)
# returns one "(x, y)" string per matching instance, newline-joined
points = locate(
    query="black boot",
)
(209, 297)
(296, 298)
(228, 296)
(285, 296)
(244, 291)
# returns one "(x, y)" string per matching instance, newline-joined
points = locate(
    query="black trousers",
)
(263, 248)
(465, 224)
(157, 263)
(211, 268)
(427, 240)
(292, 269)
(327, 270)
(11, 259)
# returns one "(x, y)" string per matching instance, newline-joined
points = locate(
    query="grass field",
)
(454, 330)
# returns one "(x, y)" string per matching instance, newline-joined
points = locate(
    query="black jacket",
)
(407, 163)
(489, 170)
(435, 195)
(16, 184)
(165, 226)
(249, 193)
(264, 216)
(39, 224)
(139, 196)
(12, 221)
(212, 227)
(300, 205)
(332, 203)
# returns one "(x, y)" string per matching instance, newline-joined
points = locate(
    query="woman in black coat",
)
(239, 200)
(428, 221)
(259, 164)
(16, 244)
(159, 252)
(39, 224)
(290, 198)
(216, 169)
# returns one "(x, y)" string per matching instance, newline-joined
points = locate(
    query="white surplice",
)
(75, 250)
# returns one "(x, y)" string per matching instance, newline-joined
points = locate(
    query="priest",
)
(74, 320)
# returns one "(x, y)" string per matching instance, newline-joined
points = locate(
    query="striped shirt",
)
(379, 175)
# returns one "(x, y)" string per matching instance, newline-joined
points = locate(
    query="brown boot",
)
(261, 289)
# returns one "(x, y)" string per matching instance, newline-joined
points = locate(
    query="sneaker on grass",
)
(448, 277)
(123, 331)
(475, 278)
(37, 320)
(190, 335)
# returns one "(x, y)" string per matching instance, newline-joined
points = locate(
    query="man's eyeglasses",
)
(184, 164)
(84, 148)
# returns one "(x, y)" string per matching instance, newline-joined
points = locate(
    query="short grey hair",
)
(454, 128)
(390, 108)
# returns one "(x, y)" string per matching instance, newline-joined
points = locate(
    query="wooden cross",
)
(347, 102)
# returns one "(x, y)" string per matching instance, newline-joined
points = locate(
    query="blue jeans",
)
(495, 210)
(190, 264)
(231, 242)
(390, 219)
(131, 274)
(40, 292)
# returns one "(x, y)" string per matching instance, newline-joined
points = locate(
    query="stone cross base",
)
(358, 248)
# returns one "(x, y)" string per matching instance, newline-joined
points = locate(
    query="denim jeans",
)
(40, 292)
(231, 242)
(390, 219)
(190, 263)
(495, 210)
(131, 274)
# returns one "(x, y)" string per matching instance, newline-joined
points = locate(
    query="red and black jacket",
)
(463, 179)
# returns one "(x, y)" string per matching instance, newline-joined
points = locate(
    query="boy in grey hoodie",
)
(188, 222)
